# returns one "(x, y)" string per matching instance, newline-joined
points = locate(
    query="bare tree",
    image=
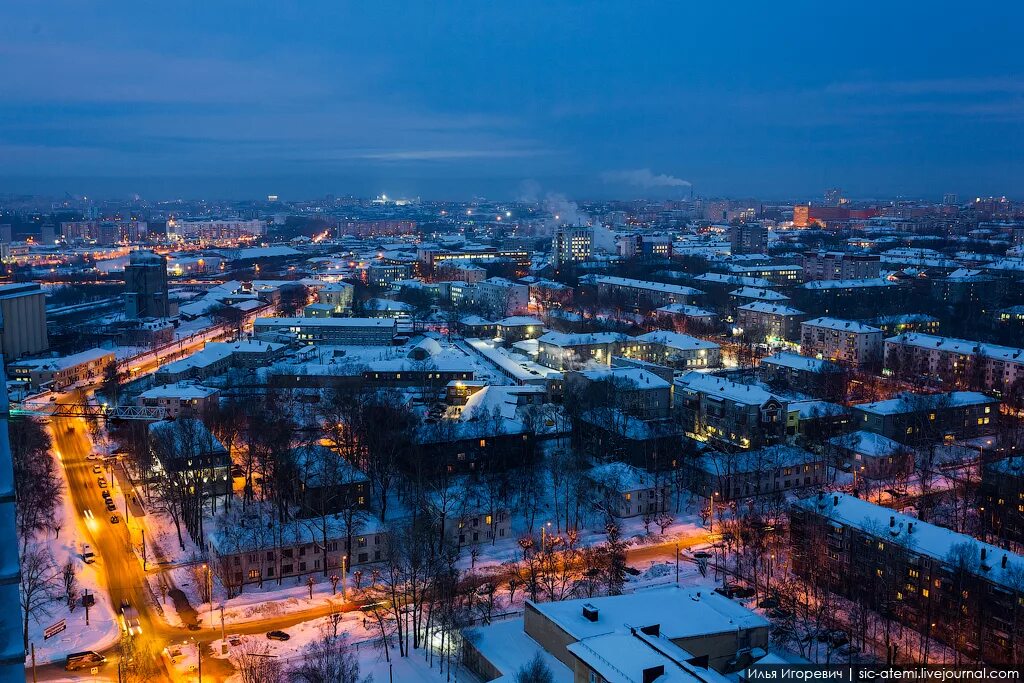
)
(534, 671)
(255, 663)
(40, 585)
(328, 659)
(37, 485)
(70, 579)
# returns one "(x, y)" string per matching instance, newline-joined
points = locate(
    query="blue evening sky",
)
(227, 98)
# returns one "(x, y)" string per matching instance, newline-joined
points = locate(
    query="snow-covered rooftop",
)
(681, 612)
(840, 325)
(930, 540)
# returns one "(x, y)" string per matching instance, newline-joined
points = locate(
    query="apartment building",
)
(946, 585)
(716, 409)
(501, 297)
(845, 341)
(179, 399)
(912, 418)
(840, 265)
(640, 295)
(804, 374)
(623, 491)
(569, 351)
(771, 470)
(62, 372)
(673, 349)
(1002, 493)
(775, 321)
(251, 549)
(959, 361)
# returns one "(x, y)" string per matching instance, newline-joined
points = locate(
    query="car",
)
(84, 660)
(769, 603)
(96, 469)
(102, 482)
(105, 493)
(110, 506)
(88, 556)
(114, 519)
(726, 590)
(779, 613)
(130, 619)
(278, 635)
(92, 456)
(743, 592)
(632, 571)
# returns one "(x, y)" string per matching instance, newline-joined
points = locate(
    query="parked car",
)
(102, 482)
(84, 660)
(96, 469)
(110, 506)
(278, 635)
(114, 519)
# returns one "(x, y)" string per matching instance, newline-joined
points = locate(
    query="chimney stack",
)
(892, 521)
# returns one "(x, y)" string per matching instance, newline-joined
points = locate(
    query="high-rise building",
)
(748, 238)
(949, 199)
(571, 244)
(145, 283)
(22, 320)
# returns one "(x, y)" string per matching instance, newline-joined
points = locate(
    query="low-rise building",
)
(519, 327)
(187, 455)
(180, 399)
(570, 351)
(1002, 496)
(251, 549)
(684, 316)
(626, 491)
(61, 372)
(641, 295)
(914, 418)
(334, 331)
(765, 471)
(673, 349)
(870, 455)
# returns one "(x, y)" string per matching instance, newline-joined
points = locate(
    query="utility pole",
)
(86, 601)
(143, 550)
(677, 564)
(12, 653)
(34, 679)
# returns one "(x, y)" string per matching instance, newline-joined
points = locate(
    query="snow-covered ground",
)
(103, 629)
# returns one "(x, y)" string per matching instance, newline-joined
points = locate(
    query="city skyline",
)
(604, 102)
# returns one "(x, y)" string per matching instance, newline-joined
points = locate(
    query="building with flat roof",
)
(22, 321)
(336, 331)
(145, 286)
